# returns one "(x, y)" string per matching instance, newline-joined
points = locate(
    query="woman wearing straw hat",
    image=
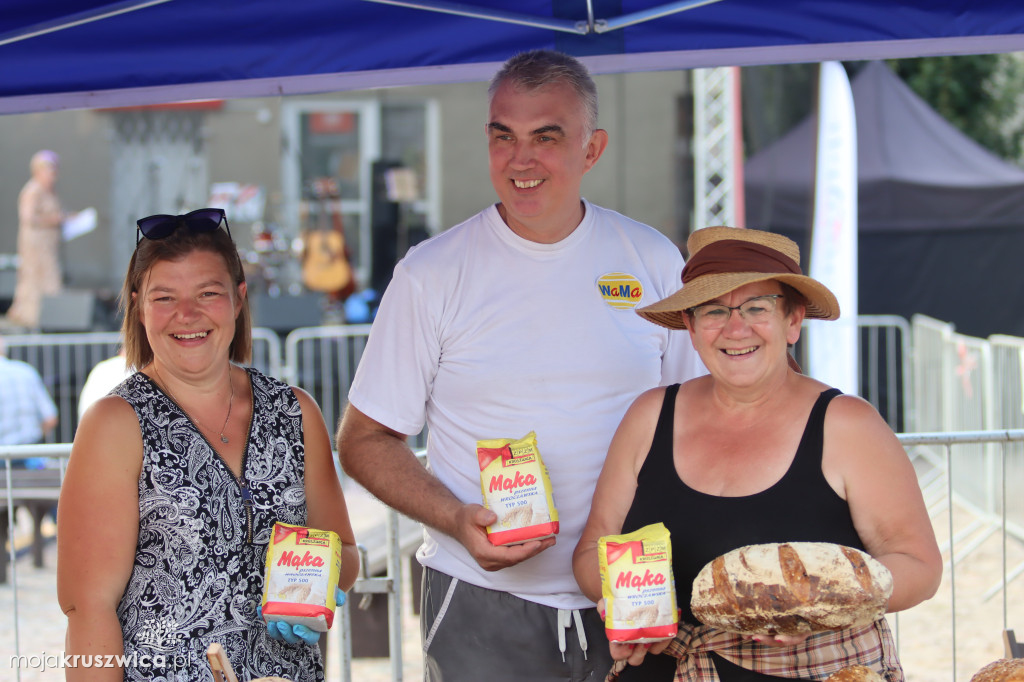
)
(756, 452)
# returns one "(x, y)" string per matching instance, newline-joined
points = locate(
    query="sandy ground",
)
(929, 637)
(933, 643)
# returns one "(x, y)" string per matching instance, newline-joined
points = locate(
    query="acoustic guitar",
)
(325, 258)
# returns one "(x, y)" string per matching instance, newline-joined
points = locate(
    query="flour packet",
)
(637, 585)
(516, 487)
(302, 569)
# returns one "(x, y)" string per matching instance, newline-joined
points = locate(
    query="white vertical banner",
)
(832, 346)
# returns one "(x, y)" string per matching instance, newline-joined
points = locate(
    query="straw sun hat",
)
(725, 258)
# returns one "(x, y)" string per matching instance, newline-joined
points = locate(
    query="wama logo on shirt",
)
(620, 290)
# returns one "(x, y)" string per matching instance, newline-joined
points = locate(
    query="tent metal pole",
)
(72, 20)
(591, 25)
(563, 25)
(605, 25)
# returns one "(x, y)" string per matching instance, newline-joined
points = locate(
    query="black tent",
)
(941, 219)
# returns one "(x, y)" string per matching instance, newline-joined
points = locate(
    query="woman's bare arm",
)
(864, 461)
(97, 532)
(325, 501)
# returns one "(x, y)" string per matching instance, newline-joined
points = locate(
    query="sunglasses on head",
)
(161, 226)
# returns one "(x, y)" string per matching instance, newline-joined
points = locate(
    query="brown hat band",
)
(734, 255)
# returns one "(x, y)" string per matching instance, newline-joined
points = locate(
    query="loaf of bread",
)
(1003, 670)
(855, 673)
(791, 588)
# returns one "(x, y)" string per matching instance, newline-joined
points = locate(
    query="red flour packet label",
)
(637, 585)
(302, 569)
(515, 486)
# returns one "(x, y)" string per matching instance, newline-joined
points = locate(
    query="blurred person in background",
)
(39, 233)
(105, 375)
(27, 412)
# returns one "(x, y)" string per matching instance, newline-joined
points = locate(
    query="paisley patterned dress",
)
(203, 533)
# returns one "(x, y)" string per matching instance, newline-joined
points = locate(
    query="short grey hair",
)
(537, 69)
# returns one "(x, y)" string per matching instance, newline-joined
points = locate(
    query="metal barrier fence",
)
(921, 376)
(323, 360)
(953, 378)
(964, 383)
(8, 454)
(1008, 365)
(64, 362)
(886, 368)
(948, 637)
(983, 549)
(36, 621)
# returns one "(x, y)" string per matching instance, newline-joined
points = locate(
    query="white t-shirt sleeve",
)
(681, 362)
(396, 372)
(106, 375)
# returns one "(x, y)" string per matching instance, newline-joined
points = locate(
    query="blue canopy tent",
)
(64, 54)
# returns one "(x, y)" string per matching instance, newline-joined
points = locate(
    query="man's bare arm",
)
(380, 459)
(382, 462)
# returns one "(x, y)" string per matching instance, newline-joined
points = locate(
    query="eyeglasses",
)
(161, 226)
(712, 316)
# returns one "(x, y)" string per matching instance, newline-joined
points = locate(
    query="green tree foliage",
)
(774, 99)
(978, 94)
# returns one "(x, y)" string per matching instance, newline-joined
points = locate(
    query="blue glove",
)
(295, 634)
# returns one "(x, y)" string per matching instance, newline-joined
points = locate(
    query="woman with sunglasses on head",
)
(177, 477)
(756, 453)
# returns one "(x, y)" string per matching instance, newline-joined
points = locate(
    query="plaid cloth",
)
(816, 658)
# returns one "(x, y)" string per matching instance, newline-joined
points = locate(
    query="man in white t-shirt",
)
(105, 375)
(520, 319)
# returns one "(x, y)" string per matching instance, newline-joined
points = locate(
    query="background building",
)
(132, 162)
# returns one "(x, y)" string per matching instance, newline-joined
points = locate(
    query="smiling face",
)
(539, 151)
(188, 309)
(741, 353)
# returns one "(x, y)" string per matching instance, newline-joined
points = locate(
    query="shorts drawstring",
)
(566, 621)
(580, 632)
(440, 613)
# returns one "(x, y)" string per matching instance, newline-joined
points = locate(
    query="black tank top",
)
(800, 507)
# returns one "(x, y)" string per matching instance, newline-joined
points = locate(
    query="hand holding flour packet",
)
(302, 569)
(637, 585)
(515, 486)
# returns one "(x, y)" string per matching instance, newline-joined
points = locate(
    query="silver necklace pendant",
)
(227, 417)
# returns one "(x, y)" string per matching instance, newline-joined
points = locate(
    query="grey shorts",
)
(472, 634)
